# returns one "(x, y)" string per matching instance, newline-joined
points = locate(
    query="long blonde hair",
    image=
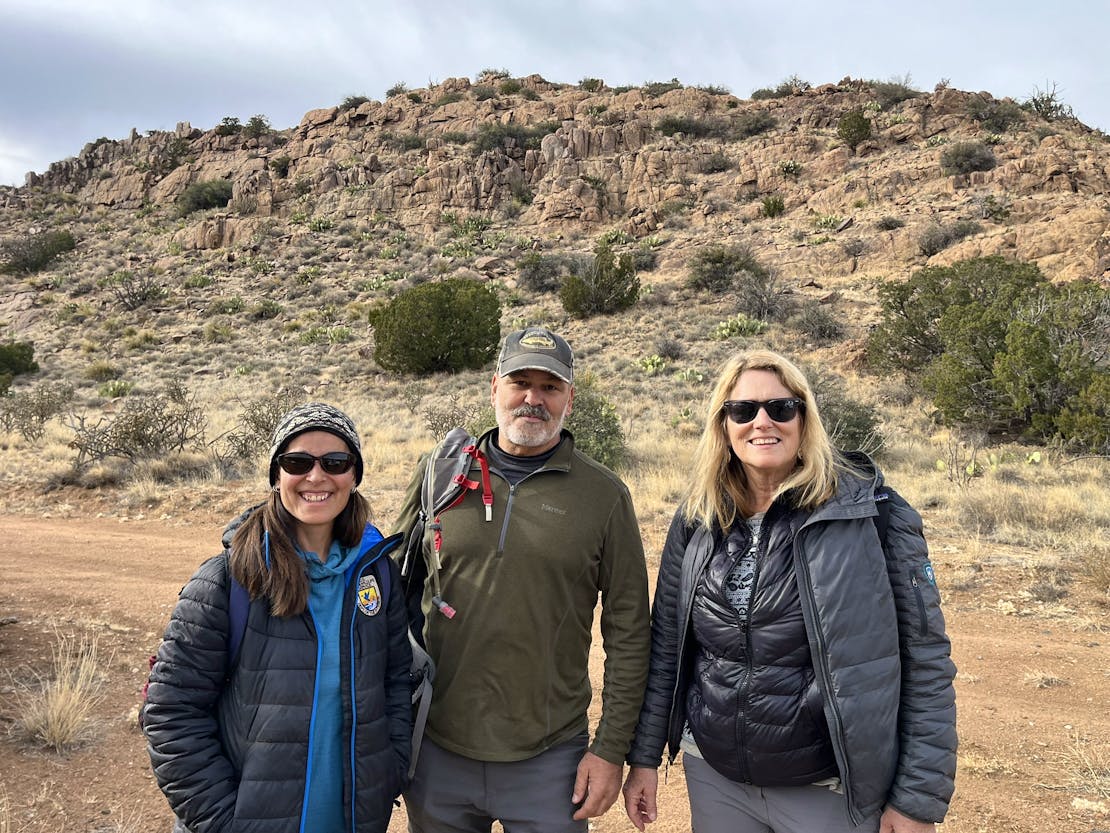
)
(264, 558)
(719, 489)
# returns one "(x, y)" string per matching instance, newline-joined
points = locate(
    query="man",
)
(508, 609)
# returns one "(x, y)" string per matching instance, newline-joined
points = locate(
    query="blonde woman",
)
(799, 656)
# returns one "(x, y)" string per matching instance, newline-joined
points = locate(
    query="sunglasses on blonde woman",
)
(301, 462)
(742, 411)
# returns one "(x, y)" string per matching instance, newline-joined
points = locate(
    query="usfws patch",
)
(369, 595)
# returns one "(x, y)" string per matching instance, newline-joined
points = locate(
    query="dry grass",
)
(1088, 761)
(973, 762)
(1043, 679)
(55, 712)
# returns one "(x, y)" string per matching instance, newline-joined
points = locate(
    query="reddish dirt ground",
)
(1031, 758)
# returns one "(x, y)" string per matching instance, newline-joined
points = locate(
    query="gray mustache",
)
(533, 411)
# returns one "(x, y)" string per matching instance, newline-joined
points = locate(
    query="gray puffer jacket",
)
(230, 747)
(876, 636)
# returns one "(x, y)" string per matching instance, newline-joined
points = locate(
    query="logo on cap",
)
(537, 339)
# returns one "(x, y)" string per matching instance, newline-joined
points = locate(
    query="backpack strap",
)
(882, 506)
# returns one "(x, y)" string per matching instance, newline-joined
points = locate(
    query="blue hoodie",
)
(328, 580)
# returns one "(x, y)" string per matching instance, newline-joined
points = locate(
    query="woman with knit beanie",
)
(290, 713)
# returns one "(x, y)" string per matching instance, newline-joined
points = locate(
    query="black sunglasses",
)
(301, 462)
(742, 411)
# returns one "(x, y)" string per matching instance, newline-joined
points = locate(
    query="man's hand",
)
(639, 795)
(597, 785)
(894, 822)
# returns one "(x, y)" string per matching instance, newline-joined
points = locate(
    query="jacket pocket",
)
(922, 615)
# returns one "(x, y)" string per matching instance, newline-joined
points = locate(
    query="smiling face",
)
(768, 449)
(315, 499)
(531, 406)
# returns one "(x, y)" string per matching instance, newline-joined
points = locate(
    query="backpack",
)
(444, 486)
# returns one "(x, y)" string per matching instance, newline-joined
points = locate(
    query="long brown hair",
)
(719, 489)
(264, 558)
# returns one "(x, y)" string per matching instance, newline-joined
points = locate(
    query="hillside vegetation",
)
(938, 261)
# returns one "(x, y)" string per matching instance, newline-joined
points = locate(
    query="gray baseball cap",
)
(536, 349)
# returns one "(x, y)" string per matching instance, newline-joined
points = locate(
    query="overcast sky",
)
(75, 70)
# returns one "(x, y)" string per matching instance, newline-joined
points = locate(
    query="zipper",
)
(922, 617)
(384, 546)
(821, 669)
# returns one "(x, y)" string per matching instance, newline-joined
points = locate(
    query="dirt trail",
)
(1032, 692)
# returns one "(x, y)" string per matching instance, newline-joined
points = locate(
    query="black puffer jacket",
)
(754, 706)
(231, 753)
(876, 636)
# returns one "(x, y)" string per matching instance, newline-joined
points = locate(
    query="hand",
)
(597, 785)
(639, 795)
(894, 822)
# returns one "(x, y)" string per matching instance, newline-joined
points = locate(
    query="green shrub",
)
(114, 388)
(1000, 348)
(772, 206)
(538, 272)
(29, 411)
(510, 86)
(397, 89)
(715, 163)
(1047, 105)
(256, 127)
(450, 326)
(265, 309)
(447, 98)
(759, 295)
(34, 252)
(939, 237)
(746, 125)
(654, 89)
(353, 101)
(228, 126)
(595, 424)
(693, 127)
(995, 116)
(495, 136)
(483, 92)
(607, 285)
(102, 371)
(225, 306)
(132, 291)
(16, 358)
(792, 85)
(967, 157)
(591, 85)
(715, 267)
(851, 425)
(854, 127)
(889, 223)
(212, 193)
(818, 322)
(403, 141)
(892, 92)
(280, 166)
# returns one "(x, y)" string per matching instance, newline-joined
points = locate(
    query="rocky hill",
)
(361, 199)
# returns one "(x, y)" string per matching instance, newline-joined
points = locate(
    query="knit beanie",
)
(314, 416)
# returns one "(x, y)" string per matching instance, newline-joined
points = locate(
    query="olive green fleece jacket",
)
(512, 676)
